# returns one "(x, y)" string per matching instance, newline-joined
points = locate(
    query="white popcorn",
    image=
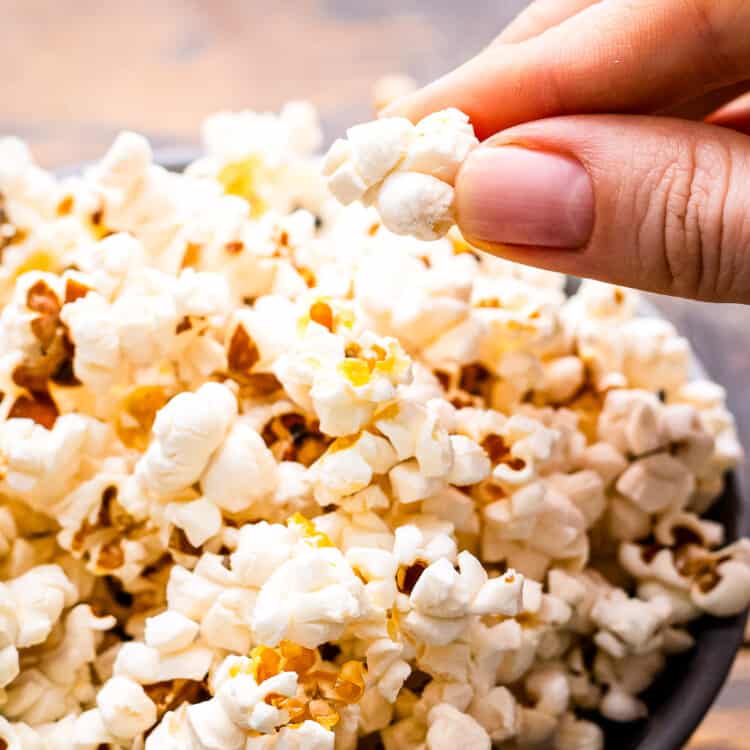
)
(93, 328)
(309, 736)
(125, 709)
(501, 595)
(309, 599)
(241, 472)
(169, 631)
(732, 592)
(410, 485)
(378, 146)
(39, 598)
(630, 421)
(138, 662)
(348, 467)
(186, 432)
(275, 442)
(41, 464)
(416, 204)
(407, 171)
(200, 519)
(656, 483)
(192, 663)
(212, 727)
(450, 728)
(172, 732)
(441, 143)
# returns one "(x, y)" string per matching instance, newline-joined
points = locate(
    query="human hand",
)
(656, 196)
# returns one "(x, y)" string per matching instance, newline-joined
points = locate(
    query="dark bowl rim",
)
(719, 639)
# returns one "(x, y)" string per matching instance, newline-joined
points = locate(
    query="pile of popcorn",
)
(273, 477)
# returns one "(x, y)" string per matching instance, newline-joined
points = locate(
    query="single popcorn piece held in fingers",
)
(407, 171)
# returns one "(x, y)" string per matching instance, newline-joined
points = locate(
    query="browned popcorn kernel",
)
(323, 713)
(475, 379)
(192, 255)
(321, 690)
(235, 247)
(308, 275)
(465, 387)
(297, 658)
(266, 663)
(295, 437)
(499, 453)
(242, 353)
(42, 300)
(408, 575)
(112, 519)
(110, 557)
(65, 206)
(242, 356)
(75, 290)
(137, 414)
(180, 544)
(350, 683)
(54, 360)
(40, 408)
(321, 313)
(170, 695)
(97, 226)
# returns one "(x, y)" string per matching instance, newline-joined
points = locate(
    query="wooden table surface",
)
(74, 72)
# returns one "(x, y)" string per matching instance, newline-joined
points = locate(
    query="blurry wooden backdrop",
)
(74, 72)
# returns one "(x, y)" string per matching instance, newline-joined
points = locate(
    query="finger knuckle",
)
(687, 204)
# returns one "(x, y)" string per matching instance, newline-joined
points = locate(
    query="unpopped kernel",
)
(278, 474)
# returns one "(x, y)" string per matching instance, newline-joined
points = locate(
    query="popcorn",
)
(170, 631)
(407, 171)
(327, 480)
(125, 709)
(416, 204)
(242, 471)
(656, 483)
(186, 432)
(449, 727)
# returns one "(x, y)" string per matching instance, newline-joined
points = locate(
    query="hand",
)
(656, 196)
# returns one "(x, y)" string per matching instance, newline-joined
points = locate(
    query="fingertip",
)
(515, 195)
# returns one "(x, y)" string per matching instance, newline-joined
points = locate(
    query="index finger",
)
(539, 16)
(612, 57)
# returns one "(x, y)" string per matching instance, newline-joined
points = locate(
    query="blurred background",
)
(75, 72)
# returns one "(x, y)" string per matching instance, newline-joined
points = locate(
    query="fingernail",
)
(515, 196)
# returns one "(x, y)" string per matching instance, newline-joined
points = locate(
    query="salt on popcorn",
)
(277, 473)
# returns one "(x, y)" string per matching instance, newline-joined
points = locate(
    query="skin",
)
(638, 118)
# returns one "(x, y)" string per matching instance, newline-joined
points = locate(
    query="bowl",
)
(683, 694)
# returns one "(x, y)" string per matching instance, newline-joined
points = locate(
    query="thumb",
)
(653, 203)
